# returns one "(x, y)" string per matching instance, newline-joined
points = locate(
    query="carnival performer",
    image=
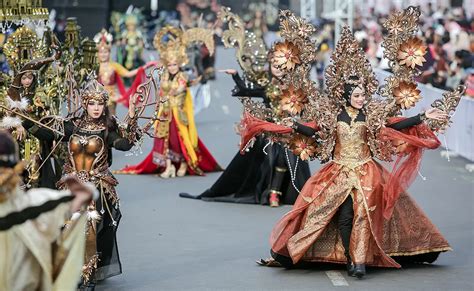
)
(176, 143)
(23, 94)
(353, 210)
(35, 253)
(91, 133)
(267, 174)
(110, 72)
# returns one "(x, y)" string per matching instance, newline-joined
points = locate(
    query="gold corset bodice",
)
(85, 151)
(167, 85)
(351, 148)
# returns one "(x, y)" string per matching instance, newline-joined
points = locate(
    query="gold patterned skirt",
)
(309, 231)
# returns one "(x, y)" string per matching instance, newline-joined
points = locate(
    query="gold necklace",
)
(352, 112)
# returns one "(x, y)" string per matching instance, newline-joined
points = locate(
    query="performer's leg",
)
(345, 219)
(362, 238)
(277, 181)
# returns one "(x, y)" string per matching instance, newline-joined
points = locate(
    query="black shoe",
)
(359, 271)
(349, 266)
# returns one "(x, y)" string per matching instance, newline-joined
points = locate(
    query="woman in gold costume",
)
(111, 73)
(90, 135)
(353, 210)
(177, 149)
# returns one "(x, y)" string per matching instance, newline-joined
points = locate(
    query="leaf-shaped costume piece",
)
(251, 51)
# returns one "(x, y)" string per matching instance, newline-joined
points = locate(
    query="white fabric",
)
(26, 250)
(201, 97)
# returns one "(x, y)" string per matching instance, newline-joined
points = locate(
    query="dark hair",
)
(349, 88)
(8, 149)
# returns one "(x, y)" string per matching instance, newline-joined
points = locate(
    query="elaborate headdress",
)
(171, 42)
(251, 51)
(23, 46)
(349, 66)
(93, 90)
(103, 39)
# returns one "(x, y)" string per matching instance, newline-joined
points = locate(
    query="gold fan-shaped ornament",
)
(292, 100)
(411, 53)
(406, 94)
(304, 147)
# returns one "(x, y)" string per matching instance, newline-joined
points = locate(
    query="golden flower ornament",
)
(406, 94)
(292, 100)
(411, 53)
(286, 55)
(302, 146)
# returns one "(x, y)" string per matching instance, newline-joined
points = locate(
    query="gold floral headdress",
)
(171, 42)
(103, 39)
(93, 90)
(349, 66)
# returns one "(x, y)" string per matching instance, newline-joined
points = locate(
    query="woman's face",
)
(95, 108)
(104, 55)
(27, 79)
(358, 97)
(172, 67)
(276, 72)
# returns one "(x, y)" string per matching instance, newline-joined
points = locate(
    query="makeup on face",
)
(27, 79)
(95, 108)
(173, 68)
(358, 98)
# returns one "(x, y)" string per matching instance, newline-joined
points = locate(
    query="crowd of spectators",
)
(447, 33)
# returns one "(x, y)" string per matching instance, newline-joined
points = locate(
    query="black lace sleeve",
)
(304, 130)
(43, 133)
(241, 89)
(115, 140)
(411, 121)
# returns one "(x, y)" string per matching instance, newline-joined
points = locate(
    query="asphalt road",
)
(170, 243)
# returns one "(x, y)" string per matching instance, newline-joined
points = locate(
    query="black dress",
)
(108, 203)
(250, 178)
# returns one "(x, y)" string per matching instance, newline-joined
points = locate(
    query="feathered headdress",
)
(349, 66)
(171, 42)
(103, 39)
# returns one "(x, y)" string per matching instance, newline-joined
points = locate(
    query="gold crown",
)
(93, 90)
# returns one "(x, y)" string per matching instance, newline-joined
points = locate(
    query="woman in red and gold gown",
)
(177, 149)
(353, 210)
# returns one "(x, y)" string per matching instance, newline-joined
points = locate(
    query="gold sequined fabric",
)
(309, 232)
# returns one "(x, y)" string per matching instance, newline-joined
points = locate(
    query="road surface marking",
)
(336, 278)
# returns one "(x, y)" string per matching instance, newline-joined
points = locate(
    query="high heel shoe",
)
(170, 172)
(183, 167)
